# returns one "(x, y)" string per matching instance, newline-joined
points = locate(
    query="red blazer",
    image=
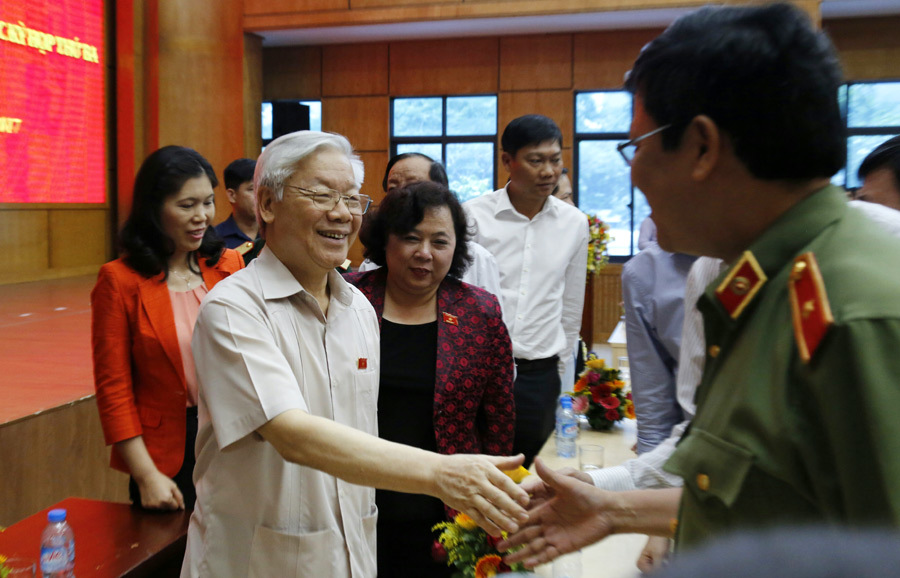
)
(138, 373)
(474, 371)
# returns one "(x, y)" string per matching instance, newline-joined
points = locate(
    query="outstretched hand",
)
(569, 518)
(475, 484)
(540, 492)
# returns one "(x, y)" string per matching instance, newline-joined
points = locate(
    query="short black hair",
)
(530, 129)
(143, 241)
(436, 172)
(402, 210)
(763, 74)
(886, 155)
(238, 172)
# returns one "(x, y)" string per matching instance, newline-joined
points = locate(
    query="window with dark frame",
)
(602, 180)
(872, 113)
(458, 131)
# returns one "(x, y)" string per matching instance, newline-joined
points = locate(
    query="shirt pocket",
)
(711, 467)
(276, 553)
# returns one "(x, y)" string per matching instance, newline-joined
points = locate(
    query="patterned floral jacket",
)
(474, 411)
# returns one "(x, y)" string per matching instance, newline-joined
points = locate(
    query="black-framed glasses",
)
(327, 200)
(628, 148)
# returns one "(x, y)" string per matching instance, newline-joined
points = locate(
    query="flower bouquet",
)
(599, 237)
(463, 544)
(601, 395)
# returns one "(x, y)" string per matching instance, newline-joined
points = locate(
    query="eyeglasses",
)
(628, 148)
(328, 199)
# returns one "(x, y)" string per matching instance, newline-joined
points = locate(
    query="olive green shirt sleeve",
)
(852, 392)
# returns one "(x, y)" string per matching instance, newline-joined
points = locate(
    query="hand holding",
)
(568, 520)
(475, 485)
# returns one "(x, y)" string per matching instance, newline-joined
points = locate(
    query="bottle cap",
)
(58, 515)
(566, 401)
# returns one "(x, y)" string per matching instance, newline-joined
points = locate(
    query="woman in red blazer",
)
(446, 357)
(143, 309)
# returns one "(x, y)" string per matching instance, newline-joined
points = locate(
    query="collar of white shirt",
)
(278, 282)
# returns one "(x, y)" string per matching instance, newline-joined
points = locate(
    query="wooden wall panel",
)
(24, 241)
(355, 69)
(78, 237)
(557, 104)
(256, 7)
(454, 66)
(362, 119)
(253, 91)
(375, 162)
(536, 62)
(54, 455)
(601, 59)
(201, 86)
(869, 47)
(607, 297)
(292, 72)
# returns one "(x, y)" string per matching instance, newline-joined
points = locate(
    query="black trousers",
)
(184, 479)
(536, 392)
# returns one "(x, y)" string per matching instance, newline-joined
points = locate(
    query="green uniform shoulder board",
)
(810, 311)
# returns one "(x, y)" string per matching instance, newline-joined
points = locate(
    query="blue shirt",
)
(231, 233)
(653, 291)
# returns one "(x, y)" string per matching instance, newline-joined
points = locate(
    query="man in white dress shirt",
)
(540, 244)
(408, 168)
(287, 358)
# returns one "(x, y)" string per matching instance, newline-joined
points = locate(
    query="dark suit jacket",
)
(138, 372)
(474, 411)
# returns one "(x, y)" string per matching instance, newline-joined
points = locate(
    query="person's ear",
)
(705, 139)
(265, 201)
(232, 195)
(506, 159)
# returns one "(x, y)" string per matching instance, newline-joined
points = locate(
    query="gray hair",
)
(279, 161)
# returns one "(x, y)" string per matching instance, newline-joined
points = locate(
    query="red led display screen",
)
(52, 126)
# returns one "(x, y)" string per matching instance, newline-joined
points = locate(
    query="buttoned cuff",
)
(615, 479)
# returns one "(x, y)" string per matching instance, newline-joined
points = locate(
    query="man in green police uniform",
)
(736, 133)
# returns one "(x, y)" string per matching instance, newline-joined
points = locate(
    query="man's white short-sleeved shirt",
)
(543, 265)
(262, 347)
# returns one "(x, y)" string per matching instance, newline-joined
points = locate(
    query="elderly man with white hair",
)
(288, 362)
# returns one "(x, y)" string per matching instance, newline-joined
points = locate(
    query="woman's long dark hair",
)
(143, 243)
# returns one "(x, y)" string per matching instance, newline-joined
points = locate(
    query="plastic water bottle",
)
(566, 428)
(57, 547)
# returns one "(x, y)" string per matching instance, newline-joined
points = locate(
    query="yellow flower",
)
(518, 474)
(596, 364)
(629, 409)
(488, 566)
(617, 384)
(465, 521)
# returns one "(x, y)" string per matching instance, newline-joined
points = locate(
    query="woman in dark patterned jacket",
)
(446, 357)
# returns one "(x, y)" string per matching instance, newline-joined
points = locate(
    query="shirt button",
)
(702, 482)
(714, 350)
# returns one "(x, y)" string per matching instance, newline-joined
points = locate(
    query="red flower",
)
(438, 553)
(610, 402)
(594, 377)
(600, 391)
(612, 415)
